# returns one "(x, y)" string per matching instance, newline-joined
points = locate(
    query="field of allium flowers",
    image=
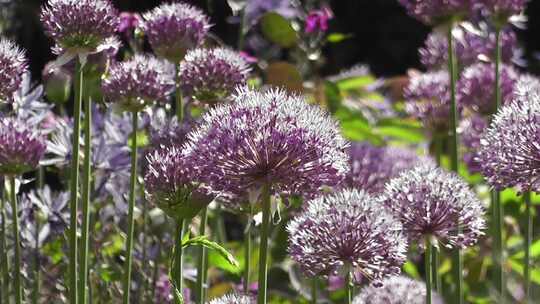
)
(156, 164)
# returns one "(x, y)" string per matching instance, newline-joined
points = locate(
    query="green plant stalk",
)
(242, 29)
(178, 266)
(16, 244)
(74, 183)
(429, 272)
(142, 291)
(4, 263)
(247, 253)
(314, 291)
(37, 273)
(263, 253)
(86, 186)
(201, 262)
(131, 207)
(528, 241)
(452, 68)
(349, 288)
(178, 96)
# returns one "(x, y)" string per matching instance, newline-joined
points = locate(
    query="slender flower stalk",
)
(528, 241)
(263, 249)
(4, 263)
(37, 273)
(201, 259)
(17, 284)
(247, 252)
(131, 207)
(178, 96)
(349, 288)
(429, 273)
(314, 291)
(178, 266)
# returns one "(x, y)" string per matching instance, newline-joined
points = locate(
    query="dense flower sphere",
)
(21, 147)
(167, 132)
(174, 28)
(79, 25)
(475, 87)
(268, 139)
(501, 10)
(510, 149)
(437, 205)
(210, 75)
(436, 11)
(138, 82)
(233, 299)
(371, 166)
(13, 65)
(470, 131)
(396, 290)
(428, 99)
(347, 231)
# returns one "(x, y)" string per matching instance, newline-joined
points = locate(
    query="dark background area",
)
(384, 37)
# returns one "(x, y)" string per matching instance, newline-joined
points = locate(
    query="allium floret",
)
(13, 65)
(211, 75)
(501, 10)
(268, 139)
(347, 232)
(396, 290)
(174, 28)
(471, 130)
(437, 11)
(233, 299)
(138, 82)
(436, 205)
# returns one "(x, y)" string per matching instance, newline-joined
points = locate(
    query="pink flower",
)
(317, 20)
(128, 22)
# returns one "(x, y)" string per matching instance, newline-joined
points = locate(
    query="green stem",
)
(4, 263)
(265, 227)
(429, 272)
(242, 29)
(452, 69)
(37, 273)
(74, 185)
(349, 288)
(528, 240)
(142, 291)
(247, 253)
(435, 262)
(16, 243)
(314, 290)
(86, 184)
(201, 263)
(178, 266)
(178, 96)
(131, 207)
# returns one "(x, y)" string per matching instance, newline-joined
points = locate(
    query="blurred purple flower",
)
(256, 8)
(396, 290)
(13, 65)
(247, 57)
(437, 11)
(344, 232)
(435, 204)
(128, 22)
(233, 299)
(317, 20)
(471, 131)
(167, 132)
(164, 289)
(501, 10)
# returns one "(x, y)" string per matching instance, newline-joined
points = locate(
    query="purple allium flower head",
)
(436, 11)
(396, 290)
(268, 138)
(510, 146)
(13, 65)
(428, 99)
(21, 147)
(475, 87)
(347, 231)
(317, 20)
(210, 75)
(138, 82)
(471, 130)
(501, 10)
(471, 47)
(128, 22)
(80, 25)
(371, 167)
(436, 204)
(167, 132)
(233, 299)
(174, 28)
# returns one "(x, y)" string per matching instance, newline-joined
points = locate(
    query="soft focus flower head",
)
(268, 138)
(396, 290)
(347, 231)
(471, 130)
(501, 10)
(510, 146)
(255, 9)
(80, 25)
(52, 206)
(317, 20)
(211, 75)
(174, 28)
(371, 166)
(475, 86)
(167, 132)
(437, 11)
(233, 299)
(138, 82)
(128, 22)
(13, 65)
(21, 147)
(436, 205)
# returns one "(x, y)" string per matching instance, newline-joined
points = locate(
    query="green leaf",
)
(409, 131)
(278, 30)
(411, 270)
(355, 83)
(338, 37)
(333, 96)
(204, 241)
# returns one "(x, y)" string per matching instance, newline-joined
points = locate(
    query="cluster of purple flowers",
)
(396, 290)
(13, 66)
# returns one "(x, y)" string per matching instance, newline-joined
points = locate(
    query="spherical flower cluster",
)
(471, 130)
(470, 47)
(13, 65)
(436, 205)
(396, 290)
(21, 147)
(501, 10)
(232, 299)
(436, 11)
(79, 25)
(167, 132)
(475, 87)
(174, 28)
(510, 146)
(171, 183)
(268, 139)
(138, 82)
(210, 75)
(428, 99)
(371, 167)
(347, 231)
